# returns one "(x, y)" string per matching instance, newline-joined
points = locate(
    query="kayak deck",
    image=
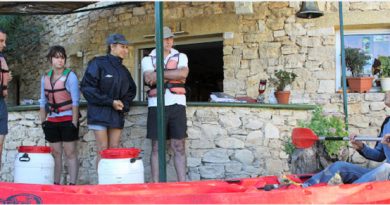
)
(242, 191)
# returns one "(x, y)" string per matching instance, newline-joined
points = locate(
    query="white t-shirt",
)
(170, 98)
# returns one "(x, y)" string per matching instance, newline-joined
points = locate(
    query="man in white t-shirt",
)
(175, 74)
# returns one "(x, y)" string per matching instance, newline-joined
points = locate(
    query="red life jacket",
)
(175, 86)
(4, 75)
(58, 98)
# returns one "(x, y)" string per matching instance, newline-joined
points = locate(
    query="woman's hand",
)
(75, 123)
(117, 105)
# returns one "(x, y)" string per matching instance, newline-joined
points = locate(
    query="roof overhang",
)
(41, 7)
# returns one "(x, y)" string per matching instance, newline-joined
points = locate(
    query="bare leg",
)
(114, 137)
(2, 137)
(57, 154)
(101, 143)
(154, 161)
(180, 161)
(70, 149)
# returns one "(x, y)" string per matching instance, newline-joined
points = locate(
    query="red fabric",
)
(60, 119)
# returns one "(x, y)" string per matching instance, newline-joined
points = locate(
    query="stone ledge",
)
(193, 104)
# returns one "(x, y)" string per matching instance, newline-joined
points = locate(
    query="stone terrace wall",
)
(223, 143)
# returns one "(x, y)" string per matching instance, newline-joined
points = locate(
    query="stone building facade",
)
(258, 39)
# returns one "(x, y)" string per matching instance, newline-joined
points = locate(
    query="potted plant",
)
(281, 81)
(355, 60)
(384, 72)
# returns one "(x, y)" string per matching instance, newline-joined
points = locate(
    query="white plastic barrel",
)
(121, 166)
(34, 165)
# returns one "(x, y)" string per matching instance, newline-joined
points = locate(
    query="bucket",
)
(34, 165)
(120, 166)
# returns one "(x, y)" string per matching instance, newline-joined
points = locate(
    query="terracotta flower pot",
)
(360, 84)
(282, 96)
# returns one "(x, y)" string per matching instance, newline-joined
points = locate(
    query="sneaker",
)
(284, 180)
(335, 180)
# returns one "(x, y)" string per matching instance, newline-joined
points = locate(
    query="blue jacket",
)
(380, 152)
(106, 79)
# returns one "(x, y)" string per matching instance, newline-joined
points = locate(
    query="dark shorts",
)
(175, 122)
(3, 117)
(60, 131)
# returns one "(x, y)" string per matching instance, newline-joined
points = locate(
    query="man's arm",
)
(178, 74)
(377, 153)
(181, 73)
(148, 71)
(150, 78)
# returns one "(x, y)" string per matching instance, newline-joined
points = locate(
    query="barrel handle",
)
(24, 158)
(133, 160)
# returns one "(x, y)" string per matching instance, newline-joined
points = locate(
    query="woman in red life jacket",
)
(59, 112)
(4, 80)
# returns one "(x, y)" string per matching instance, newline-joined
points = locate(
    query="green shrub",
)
(288, 147)
(329, 126)
(21, 37)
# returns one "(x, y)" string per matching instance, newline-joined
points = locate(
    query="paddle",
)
(305, 138)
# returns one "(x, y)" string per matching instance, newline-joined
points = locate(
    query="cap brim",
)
(169, 36)
(121, 42)
(124, 42)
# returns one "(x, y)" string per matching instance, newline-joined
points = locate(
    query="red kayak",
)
(240, 191)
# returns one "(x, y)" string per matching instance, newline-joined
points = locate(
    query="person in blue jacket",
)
(351, 173)
(109, 89)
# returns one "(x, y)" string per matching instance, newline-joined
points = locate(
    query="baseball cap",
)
(116, 38)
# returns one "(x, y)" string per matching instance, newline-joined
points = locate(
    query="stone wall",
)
(222, 143)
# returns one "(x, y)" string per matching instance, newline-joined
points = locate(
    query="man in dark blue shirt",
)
(351, 173)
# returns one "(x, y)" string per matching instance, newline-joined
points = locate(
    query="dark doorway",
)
(205, 61)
